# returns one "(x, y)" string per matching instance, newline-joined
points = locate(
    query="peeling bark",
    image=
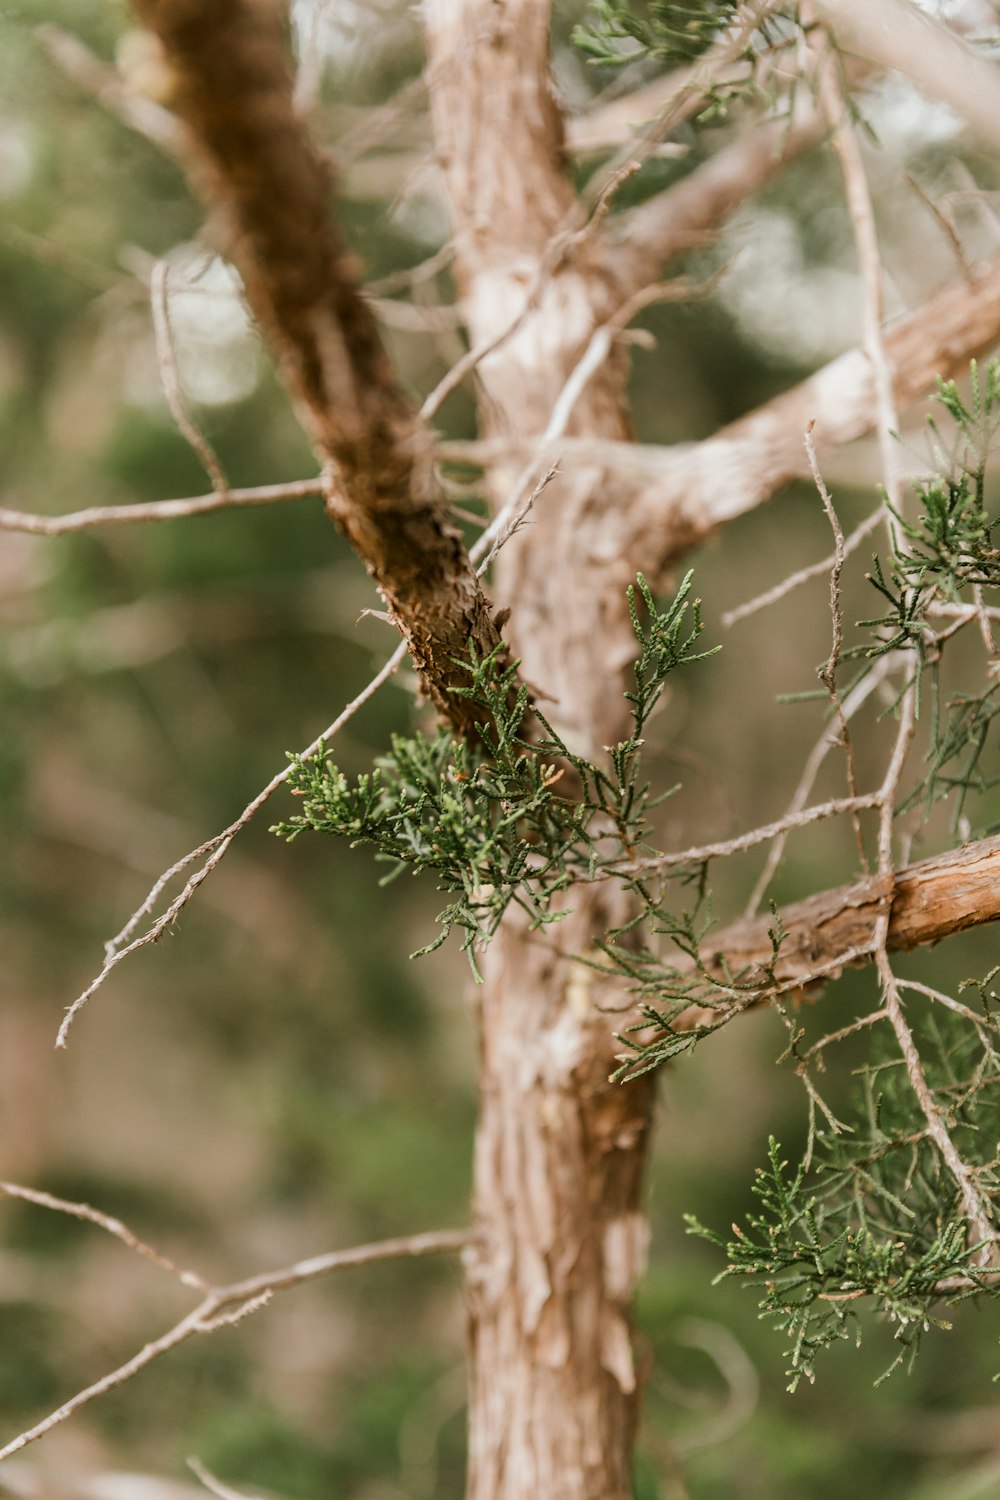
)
(934, 899)
(270, 197)
(560, 1152)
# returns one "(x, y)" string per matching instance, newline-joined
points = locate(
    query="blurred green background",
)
(276, 1078)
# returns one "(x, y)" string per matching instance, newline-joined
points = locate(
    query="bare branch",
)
(794, 580)
(225, 1305)
(799, 818)
(107, 1222)
(214, 1485)
(703, 485)
(170, 375)
(901, 36)
(828, 674)
(862, 213)
(158, 510)
(88, 72)
(646, 239)
(211, 852)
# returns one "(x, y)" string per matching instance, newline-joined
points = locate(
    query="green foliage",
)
(675, 34)
(945, 559)
(873, 1212)
(492, 819)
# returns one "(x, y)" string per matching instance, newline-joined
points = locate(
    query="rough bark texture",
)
(559, 1151)
(270, 195)
(927, 902)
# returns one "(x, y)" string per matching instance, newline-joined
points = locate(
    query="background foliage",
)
(277, 1078)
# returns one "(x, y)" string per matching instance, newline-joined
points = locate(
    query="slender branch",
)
(799, 818)
(862, 215)
(828, 674)
(170, 375)
(211, 852)
(157, 510)
(646, 239)
(222, 1306)
(973, 1204)
(850, 704)
(701, 486)
(904, 38)
(111, 1225)
(795, 580)
(138, 111)
(215, 1485)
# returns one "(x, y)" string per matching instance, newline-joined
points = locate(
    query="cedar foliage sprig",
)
(491, 819)
(871, 1217)
(676, 33)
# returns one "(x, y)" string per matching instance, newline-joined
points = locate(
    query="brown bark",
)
(270, 195)
(559, 1151)
(928, 901)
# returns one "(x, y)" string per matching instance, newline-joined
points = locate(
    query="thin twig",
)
(111, 1225)
(853, 701)
(761, 835)
(862, 215)
(828, 674)
(222, 1306)
(804, 575)
(215, 1486)
(157, 510)
(166, 351)
(973, 1204)
(214, 848)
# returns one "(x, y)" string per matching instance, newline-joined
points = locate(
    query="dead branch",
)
(158, 510)
(225, 1305)
(269, 194)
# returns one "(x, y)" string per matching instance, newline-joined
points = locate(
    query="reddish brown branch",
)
(270, 197)
(929, 901)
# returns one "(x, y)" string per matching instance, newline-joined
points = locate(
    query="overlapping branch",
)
(219, 1306)
(924, 903)
(701, 486)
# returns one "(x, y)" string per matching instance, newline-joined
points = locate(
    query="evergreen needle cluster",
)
(516, 817)
(873, 1214)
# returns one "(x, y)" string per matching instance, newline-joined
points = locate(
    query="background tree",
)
(551, 266)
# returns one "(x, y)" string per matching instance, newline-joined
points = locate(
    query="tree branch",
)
(898, 35)
(647, 238)
(157, 510)
(269, 193)
(701, 486)
(931, 900)
(224, 1305)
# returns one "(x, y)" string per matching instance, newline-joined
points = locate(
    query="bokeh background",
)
(276, 1077)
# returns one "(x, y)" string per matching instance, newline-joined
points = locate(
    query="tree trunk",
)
(559, 1151)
